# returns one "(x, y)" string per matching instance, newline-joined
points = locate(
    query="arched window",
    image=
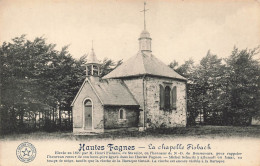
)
(121, 114)
(168, 97)
(161, 97)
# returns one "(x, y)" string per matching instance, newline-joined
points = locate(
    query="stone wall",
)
(135, 85)
(77, 110)
(154, 116)
(162, 118)
(112, 121)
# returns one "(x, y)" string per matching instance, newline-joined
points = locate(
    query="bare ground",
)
(179, 132)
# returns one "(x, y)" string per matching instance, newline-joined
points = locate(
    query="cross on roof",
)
(144, 15)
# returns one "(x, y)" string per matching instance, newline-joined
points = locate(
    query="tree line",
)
(223, 91)
(39, 82)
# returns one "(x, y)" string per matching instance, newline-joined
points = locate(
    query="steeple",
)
(92, 65)
(145, 40)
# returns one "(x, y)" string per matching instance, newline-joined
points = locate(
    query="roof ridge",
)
(143, 54)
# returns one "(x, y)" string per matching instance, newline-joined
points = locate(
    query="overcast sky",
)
(180, 29)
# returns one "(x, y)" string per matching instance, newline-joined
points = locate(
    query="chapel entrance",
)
(88, 114)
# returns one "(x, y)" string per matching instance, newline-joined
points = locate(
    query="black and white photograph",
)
(130, 82)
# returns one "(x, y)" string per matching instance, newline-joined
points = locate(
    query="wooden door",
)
(88, 114)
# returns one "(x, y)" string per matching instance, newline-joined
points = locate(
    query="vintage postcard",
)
(130, 82)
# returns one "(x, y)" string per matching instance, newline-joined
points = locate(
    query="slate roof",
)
(113, 92)
(143, 64)
(110, 92)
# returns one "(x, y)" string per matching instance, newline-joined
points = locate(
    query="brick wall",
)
(112, 121)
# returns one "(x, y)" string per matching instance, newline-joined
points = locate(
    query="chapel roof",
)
(143, 64)
(110, 92)
(113, 92)
(145, 34)
(92, 58)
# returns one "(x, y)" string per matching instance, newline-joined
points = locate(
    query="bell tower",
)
(145, 41)
(92, 65)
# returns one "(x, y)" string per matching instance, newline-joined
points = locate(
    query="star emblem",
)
(26, 152)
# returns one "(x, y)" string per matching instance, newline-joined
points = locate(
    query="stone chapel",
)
(141, 93)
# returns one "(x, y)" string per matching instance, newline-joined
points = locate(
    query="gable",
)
(87, 91)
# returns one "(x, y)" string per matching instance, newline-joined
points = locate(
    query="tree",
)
(174, 64)
(209, 83)
(36, 80)
(38, 84)
(243, 79)
(108, 65)
(19, 83)
(203, 88)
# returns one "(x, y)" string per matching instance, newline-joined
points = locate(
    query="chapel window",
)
(161, 97)
(168, 97)
(174, 97)
(121, 114)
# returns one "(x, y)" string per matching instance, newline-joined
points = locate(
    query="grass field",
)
(189, 132)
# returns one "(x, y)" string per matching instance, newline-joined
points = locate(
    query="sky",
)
(180, 29)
